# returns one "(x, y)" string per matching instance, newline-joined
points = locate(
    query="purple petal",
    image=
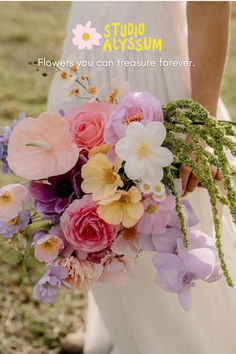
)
(200, 261)
(62, 204)
(145, 242)
(58, 271)
(185, 298)
(191, 217)
(166, 242)
(45, 208)
(42, 192)
(169, 272)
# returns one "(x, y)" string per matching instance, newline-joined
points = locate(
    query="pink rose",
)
(88, 123)
(84, 229)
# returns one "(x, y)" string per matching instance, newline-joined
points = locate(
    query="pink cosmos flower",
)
(85, 36)
(87, 123)
(116, 268)
(42, 147)
(84, 229)
(11, 198)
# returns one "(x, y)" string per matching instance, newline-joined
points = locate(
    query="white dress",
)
(142, 318)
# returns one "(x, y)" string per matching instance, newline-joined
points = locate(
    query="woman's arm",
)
(208, 33)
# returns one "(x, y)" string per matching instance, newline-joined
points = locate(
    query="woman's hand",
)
(189, 180)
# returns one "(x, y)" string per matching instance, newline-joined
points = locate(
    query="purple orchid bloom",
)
(47, 287)
(4, 138)
(55, 196)
(8, 229)
(177, 271)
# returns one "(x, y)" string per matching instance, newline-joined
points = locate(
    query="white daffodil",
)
(142, 151)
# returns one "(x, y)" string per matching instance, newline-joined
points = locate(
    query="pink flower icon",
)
(85, 36)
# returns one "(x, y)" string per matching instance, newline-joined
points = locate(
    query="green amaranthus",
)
(189, 117)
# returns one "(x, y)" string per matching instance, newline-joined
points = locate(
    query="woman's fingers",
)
(218, 176)
(192, 183)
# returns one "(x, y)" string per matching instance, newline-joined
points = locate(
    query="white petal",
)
(134, 168)
(156, 133)
(153, 174)
(162, 156)
(123, 149)
(135, 132)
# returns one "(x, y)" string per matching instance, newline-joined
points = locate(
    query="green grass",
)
(30, 30)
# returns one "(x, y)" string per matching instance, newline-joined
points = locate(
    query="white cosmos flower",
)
(142, 151)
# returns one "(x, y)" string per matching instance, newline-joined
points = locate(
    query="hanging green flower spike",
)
(189, 117)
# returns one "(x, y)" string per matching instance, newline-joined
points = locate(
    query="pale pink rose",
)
(118, 269)
(47, 248)
(11, 198)
(81, 273)
(88, 123)
(84, 229)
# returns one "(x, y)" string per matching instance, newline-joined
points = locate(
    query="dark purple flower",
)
(8, 229)
(55, 196)
(47, 287)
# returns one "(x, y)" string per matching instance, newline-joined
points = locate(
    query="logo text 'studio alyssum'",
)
(129, 36)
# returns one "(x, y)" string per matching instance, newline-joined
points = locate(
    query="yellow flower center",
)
(143, 150)
(86, 36)
(129, 233)
(109, 176)
(124, 199)
(157, 188)
(146, 187)
(13, 221)
(151, 209)
(48, 245)
(6, 198)
(137, 117)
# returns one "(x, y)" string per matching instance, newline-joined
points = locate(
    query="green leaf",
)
(13, 257)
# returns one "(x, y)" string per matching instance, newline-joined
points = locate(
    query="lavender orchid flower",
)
(177, 271)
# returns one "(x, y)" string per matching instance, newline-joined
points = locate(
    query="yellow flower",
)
(100, 178)
(124, 207)
(104, 149)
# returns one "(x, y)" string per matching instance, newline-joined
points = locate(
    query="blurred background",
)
(30, 30)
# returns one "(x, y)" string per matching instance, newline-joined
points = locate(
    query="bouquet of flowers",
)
(99, 184)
